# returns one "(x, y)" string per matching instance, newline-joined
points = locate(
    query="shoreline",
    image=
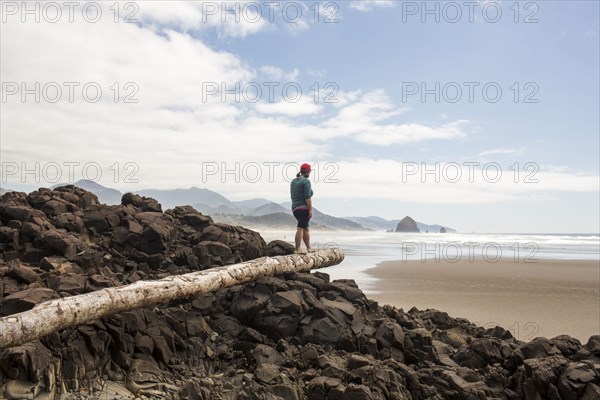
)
(547, 298)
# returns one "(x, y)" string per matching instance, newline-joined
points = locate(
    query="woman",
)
(301, 192)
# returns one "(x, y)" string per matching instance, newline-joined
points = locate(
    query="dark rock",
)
(156, 238)
(482, 352)
(567, 345)
(24, 274)
(407, 224)
(27, 299)
(418, 346)
(30, 230)
(573, 381)
(540, 376)
(213, 233)
(28, 362)
(357, 361)
(279, 248)
(133, 227)
(390, 334)
(56, 264)
(592, 392)
(70, 222)
(267, 373)
(58, 243)
(96, 220)
(70, 283)
(55, 207)
(593, 345)
(264, 354)
(323, 387)
(9, 238)
(204, 249)
(143, 371)
(24, 213)
(283, 391)
(144, 203)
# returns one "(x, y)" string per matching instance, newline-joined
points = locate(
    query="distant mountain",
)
(375, 223)
(4, 190)
(382, 224)
(273, 215)
(332, 222)
(269, 208)
(222, 209)
(252, 203)
(181, 197)
(336, 223)
(257, 212)
(435, 228)
(269, 221)
(105, 195)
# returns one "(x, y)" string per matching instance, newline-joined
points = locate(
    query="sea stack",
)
(407, 224)
(443, 230)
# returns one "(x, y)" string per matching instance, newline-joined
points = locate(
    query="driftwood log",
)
(54, 315)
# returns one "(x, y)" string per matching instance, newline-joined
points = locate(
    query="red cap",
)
(305, 168)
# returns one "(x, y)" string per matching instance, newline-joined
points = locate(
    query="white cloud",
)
(502, 150)
(365, 118)
(386, 179)
(172, 130)
(272, 73)
(235, 19)
(304, 106)
(319, 73)
(369, 5)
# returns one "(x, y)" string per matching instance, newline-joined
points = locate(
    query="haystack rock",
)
(407, 224)
(443, 230)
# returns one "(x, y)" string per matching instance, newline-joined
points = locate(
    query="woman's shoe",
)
(310, 250)
(299, 251)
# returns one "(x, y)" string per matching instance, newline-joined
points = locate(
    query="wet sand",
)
(546, 298)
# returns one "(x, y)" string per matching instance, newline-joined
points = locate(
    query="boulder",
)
(156, 238)
(540, 376)
(23, 273)
(576, 377)
(279, 248)
(28, 362)
(26, 299)
(69, 222)
(418, 346)
(141, 202)
(55, 207)
(407, 224)
(59, 243)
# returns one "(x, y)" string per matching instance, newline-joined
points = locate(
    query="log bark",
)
(54, 315)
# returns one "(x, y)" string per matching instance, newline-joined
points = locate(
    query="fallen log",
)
(54, 315)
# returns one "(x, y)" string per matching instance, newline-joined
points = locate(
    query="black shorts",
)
(302, 217)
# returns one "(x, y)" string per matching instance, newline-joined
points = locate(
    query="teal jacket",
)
(300, 190)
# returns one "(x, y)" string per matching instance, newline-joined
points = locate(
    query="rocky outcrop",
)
(407, 224)
(70, 223)
(300, 336)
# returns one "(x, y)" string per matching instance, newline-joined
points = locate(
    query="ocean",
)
(366, 249)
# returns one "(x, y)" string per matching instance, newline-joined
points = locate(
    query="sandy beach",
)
(546, 298)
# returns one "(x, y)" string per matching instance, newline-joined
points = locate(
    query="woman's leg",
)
(299, 236)
(306, 237)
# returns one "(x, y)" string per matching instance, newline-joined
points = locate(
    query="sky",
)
(482, 116)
